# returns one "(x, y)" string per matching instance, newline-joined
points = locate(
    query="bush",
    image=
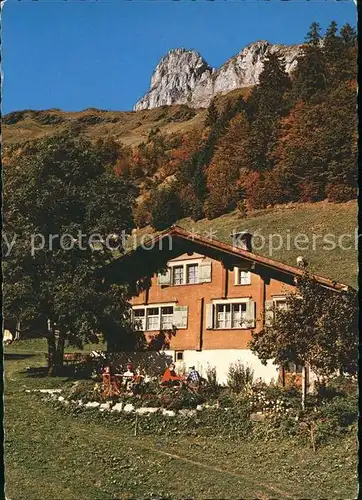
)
(311, 191)
(340, 192)
(341, 411)
(166, 208)
(212, 383)
(226, 400)
(86, 390)
(334, 387)
(273, 398)
(177, 399)
(240, 378)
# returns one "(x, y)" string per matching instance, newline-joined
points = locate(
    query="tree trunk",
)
(51, 353)
(304, 386)
(60, 350)
(55, 350)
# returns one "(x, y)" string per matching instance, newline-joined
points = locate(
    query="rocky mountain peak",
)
(184, 77)
(174, 79)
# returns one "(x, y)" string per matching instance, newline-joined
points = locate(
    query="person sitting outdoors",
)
(128, 376)
(170, 377)
(193, 378)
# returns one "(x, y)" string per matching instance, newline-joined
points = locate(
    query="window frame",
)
(278, 299)
(185, 275)
(237, 276)
(182, 356)
(146, 316)
(232, 303)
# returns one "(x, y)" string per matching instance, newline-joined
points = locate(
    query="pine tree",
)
(212, 115)
(314, 36)
(267, 98)
(267, 103)
(348, 35)
(310, 76)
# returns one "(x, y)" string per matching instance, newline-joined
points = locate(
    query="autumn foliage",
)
(293, 139)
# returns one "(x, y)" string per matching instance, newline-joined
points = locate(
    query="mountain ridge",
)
(183, 76)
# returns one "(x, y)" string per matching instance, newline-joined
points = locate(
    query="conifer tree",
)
(348, 35)
(212, 115)
(314, 36)
(310, 76)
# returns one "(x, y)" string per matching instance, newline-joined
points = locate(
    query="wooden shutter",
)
(205, 272)
(180, 316)
(165, 278)
(268, 312)
(236, 275)
(250, 314)
(209, 316)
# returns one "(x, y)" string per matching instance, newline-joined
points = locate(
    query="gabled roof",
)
(228, 249)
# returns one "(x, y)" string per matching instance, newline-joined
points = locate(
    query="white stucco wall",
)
(221, 359)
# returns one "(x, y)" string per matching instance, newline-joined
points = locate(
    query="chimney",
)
(242, 239)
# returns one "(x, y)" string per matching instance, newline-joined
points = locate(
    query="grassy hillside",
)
(315, 220)
(128, 127)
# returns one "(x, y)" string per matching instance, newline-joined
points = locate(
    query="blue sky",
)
(59, 54)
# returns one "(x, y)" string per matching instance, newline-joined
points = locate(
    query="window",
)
(178, 275)
(192, 275)
(153, 318)
(230, 315)
(166, 318)
(139, 319)
(223, 316)
(179, 356)
(238, 315)
(242, 277)
(280, 303)
(160, 317)
(188, 272)
(293, 368)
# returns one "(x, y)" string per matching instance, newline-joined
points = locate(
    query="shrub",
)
(240, 378)
(341, 411)
(340, 192)
(212, 383)
(225, 400)
(311, 191)
(166, 208)
(334, 387)
(84, 389)
(176, 399)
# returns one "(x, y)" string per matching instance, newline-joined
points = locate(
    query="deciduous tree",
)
(56, 196)
(318, 328)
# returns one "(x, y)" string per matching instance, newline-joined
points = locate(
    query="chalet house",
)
(209, 294)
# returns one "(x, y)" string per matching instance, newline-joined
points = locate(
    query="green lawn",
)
(52, 455)
(38, 346)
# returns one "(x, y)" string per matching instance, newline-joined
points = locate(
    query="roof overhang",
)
(150, 257)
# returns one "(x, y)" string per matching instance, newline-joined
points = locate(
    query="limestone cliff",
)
(184, 77)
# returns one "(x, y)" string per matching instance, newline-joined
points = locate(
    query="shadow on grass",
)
(68, 372)
(15, 356)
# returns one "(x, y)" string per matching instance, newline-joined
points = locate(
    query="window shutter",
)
(237, 271)
(180, 315)
(250, 314)
(165, 278)
(205, 272)
(236, 275)
(268, 312)
(209, 316)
